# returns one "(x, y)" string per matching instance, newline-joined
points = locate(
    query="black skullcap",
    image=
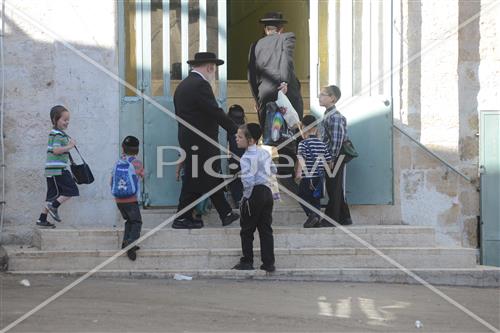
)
(254, 130)
(131, 141)
(237, 114)
(308, 120)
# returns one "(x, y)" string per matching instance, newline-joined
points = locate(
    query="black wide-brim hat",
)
(273, 17)
(205, 58)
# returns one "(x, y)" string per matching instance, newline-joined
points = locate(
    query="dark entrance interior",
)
(244, 28)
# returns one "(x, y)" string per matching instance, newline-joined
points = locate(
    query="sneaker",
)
(45, 224)
(268, 268)
(311, 221)
(243, 266)
(230, 219)
(53, 212)
(131, 254)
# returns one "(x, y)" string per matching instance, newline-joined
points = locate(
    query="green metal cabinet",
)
(489, 159)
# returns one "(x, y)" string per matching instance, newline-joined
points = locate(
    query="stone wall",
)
(41, 72)
(452, 74)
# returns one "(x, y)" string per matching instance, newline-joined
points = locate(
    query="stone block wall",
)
(452, 74)
(41, 72)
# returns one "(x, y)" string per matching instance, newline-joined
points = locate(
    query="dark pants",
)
(218, 201)
(236, 186)
(133, 221)
(306, 190)
(287, 173)
(337, 208)
(257, 214)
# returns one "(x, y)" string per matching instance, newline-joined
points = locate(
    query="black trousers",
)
(287, 173)
(337, 208)
(218, 200)
(256, 213)
(133, 221)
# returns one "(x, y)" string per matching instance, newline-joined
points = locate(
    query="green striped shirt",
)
(55, 164)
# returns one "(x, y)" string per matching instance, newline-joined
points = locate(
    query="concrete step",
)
(479, 276)
(285, 237)
(286, 212)
(21, 259)
(284, 216)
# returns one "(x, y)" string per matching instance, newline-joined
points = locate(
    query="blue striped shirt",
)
(315, 154)
(333, 130)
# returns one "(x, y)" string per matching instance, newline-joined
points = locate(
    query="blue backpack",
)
(124, 183)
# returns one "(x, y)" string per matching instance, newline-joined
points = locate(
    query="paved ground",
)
(155, 305)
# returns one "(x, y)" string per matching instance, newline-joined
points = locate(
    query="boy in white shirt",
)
(257, 204)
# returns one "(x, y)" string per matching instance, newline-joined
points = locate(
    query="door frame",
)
(370, 178)
(133, 119)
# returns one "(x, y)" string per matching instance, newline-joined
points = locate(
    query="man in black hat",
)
(194, 102)
(270, 68)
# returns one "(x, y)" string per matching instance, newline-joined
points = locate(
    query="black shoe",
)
(53, 212)
(243, 266)
(347, 221)
(186, 223)
(45, 224)
(230, 219)
(131, 254)
(325, 224)
(268, 268)
(311, 221)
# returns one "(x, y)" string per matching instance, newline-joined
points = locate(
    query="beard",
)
(212, 81)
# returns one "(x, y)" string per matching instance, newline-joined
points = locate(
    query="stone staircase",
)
(306, 254)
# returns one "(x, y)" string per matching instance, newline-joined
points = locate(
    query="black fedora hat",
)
(204, 58)
(273, 17)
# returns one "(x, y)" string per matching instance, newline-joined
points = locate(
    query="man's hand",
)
(283, 87)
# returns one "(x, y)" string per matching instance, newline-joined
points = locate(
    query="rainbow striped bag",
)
(276, 129)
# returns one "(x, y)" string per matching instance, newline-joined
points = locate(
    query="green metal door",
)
(351, 47)
(159, 36)
(489, 157)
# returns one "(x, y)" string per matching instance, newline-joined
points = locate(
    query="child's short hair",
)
(308, 120)
(237, 114)
(333, 90)
(56, 113)
(251, 131)
(130, 145)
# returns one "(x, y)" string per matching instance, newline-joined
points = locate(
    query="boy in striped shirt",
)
(313, 156)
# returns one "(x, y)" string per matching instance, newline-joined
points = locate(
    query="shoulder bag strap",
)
(76, 148)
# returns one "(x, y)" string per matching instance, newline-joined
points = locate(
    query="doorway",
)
(338, 42)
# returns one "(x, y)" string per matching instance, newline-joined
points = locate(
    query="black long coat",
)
(194, 101)
(270, 62)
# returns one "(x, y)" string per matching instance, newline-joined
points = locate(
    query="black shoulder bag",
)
(81, 172)
(348, 150)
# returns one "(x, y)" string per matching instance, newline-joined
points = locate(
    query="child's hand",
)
(72, 143)
(298, 177)
(178, 169)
